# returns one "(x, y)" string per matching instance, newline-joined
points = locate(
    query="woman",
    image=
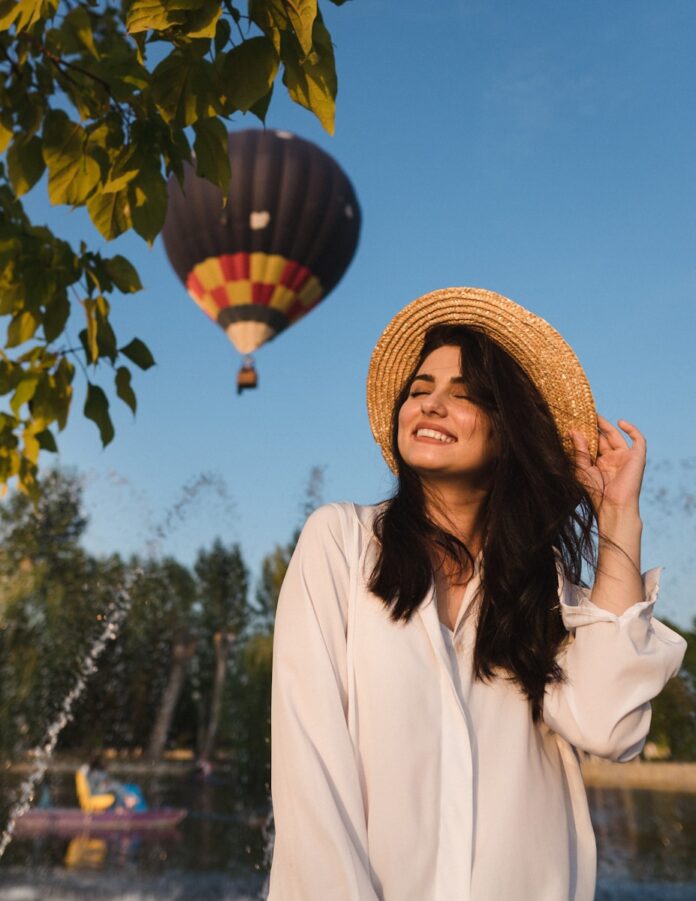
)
(438, 658)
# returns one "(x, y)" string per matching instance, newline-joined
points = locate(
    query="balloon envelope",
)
(281, 243)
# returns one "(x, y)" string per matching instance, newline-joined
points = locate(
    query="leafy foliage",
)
(98, 97)
(673, 723)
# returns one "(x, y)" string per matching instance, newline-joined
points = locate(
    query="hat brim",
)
(538, 348)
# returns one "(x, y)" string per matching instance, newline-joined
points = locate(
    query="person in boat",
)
(438, 659)
(127, 796)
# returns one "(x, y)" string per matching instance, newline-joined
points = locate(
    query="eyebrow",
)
(455, 380)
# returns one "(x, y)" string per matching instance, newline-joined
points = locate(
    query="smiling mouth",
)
(438, 436)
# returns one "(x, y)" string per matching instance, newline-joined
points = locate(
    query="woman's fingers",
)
(612, 434)
(635, 435)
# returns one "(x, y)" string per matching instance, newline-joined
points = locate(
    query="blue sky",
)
(544, 150)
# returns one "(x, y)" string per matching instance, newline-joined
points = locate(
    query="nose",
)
(432, 405)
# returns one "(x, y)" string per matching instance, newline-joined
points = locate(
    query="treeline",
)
(191, 666)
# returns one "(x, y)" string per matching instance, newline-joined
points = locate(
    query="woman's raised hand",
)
(614, 479)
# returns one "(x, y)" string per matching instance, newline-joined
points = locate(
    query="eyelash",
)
(457, 396)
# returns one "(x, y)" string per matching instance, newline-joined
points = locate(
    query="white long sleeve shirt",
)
(396, 776)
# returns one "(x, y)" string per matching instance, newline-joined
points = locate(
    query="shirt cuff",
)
(578, 610)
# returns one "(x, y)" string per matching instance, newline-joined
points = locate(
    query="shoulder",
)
(342, 524)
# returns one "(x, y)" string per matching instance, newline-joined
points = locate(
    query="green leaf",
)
(223, 30)
(138, 352)
(55, 317)
(21, 328)
(147, 197)
(8, 12)
(249, 71)
(312, 82)
(25, 164)
(185, 88)
(97, 409)
(63, 394)
(123, 388)
(176, 151)
(90, 342)
(8, 379)
(6, 133)
(302, 14)
(31, 446)
(73, 173)
(123, 274)
(78, 19)
(108, 132)
(260, 108)
(210, 147)
(110, 213)
(24, 14)
(203, 22)
(144, 15)
(24, 392)
(124, 74)
(46, 441)
(39, 278)
(124, 169)
(30, 113)
(106, 339)
(271, 17)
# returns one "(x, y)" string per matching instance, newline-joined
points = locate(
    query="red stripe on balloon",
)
(296, 311)
(262, 294)
(194, 286)
(235, 266)
(294, 276)
(220, 297)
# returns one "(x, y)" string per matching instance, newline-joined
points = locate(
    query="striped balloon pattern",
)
(282, 241)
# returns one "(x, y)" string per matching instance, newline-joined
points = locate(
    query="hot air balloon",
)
(281, 243)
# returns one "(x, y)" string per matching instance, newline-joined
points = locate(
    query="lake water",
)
(646, 848)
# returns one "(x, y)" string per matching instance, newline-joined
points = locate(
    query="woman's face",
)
(441, 432)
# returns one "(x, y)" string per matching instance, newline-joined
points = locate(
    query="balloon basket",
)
(247, 377)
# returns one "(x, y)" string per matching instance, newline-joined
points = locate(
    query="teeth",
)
(431, 433)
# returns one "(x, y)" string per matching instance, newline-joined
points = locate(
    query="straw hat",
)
(544, 355)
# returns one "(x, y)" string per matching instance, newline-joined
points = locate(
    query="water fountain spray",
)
(114, 617)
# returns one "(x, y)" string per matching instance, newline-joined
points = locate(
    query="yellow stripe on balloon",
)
(209, 273)
(207, 304)
(266, 268)
(238, 292)
(282, 298)
(311, 292)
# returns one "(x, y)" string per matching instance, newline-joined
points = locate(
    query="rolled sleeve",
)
(614, 666)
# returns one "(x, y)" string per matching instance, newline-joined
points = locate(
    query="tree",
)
(160, 643)
(223, 582)
(673, 723)
(143, 77)
(50, 599)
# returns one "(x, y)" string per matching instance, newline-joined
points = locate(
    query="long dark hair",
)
(534, 510)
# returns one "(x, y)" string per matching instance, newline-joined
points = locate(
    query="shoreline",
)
(658, 775)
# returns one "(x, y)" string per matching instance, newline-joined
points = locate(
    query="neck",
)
(457, 508)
